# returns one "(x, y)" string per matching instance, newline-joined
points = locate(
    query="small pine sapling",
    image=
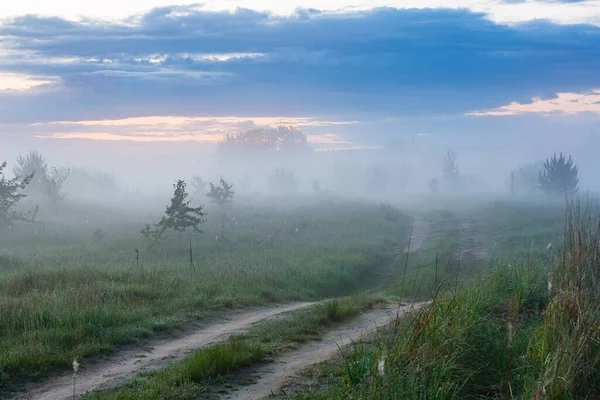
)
(179, 216)
(560, 176)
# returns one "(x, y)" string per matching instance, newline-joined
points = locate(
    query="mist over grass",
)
(70, 292)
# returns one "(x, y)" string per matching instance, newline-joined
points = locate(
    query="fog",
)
(400, 170)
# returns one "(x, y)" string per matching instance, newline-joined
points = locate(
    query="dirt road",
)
(420, 232)
(274, 376)
(109, 374)
(472, 240)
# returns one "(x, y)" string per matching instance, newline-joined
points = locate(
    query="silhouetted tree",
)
(179, 216)
(85, 180)
(221, 195)
(452, 176)
(32, 163)
(283, 181)
(199, 186)
(560, 176)
(378, 178)
(10, 195)
(53, 181)
(280, 139)
(525, 179)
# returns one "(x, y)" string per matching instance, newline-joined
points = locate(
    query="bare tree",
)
(53, 181)
(451, 171)
(32, 164)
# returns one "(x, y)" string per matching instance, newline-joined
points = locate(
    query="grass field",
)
(514, 311)
(527, 330)
(74, 287)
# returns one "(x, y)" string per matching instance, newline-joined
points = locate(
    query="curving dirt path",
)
(472, 240)
(109, 374)
(274, 376)
(420, 232)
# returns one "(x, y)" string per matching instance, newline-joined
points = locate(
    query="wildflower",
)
(549, 247)
(549, 285)
(381, 366)
(75, 366)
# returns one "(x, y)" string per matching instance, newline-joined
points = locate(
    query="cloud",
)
(331, 66)
(562, 104)
(502, 11)
(181, 129)
(22, 82)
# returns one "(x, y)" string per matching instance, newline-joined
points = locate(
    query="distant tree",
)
(280, 139)
(82, 179)
(434, 186)
(378, 177)
(179, 216)
(245, 183)
(560, 176)
(10, 195)
(283, 181)
(316, 186)
(525, 179)
(221, 195)
(451, 171)
(53, 182)
(33, 163)
(199, 185)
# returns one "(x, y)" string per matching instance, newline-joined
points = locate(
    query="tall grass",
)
(529, 330)
(65, 294)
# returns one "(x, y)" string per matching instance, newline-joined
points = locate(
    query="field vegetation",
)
(82, 282)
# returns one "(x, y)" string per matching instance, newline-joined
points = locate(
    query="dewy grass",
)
(74, 295)
(192, 376)
(525, 331)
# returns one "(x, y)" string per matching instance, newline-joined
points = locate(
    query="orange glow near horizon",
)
(182, 120)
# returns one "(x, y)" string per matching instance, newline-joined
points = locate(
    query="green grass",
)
(521, 232)
(67, 295)
(508, 335)
(195, 374)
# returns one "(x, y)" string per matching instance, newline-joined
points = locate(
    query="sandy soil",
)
(285, 369)
(109, 374)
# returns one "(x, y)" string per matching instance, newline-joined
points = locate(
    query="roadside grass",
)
(197, 373)
(522, 231)
(66, 293)
(525, 330)
(433, 262)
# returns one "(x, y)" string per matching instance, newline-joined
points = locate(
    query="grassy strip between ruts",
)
(195, 374)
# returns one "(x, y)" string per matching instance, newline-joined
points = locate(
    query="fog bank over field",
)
(283, 161)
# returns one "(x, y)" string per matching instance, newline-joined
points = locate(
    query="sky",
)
(350, 74)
